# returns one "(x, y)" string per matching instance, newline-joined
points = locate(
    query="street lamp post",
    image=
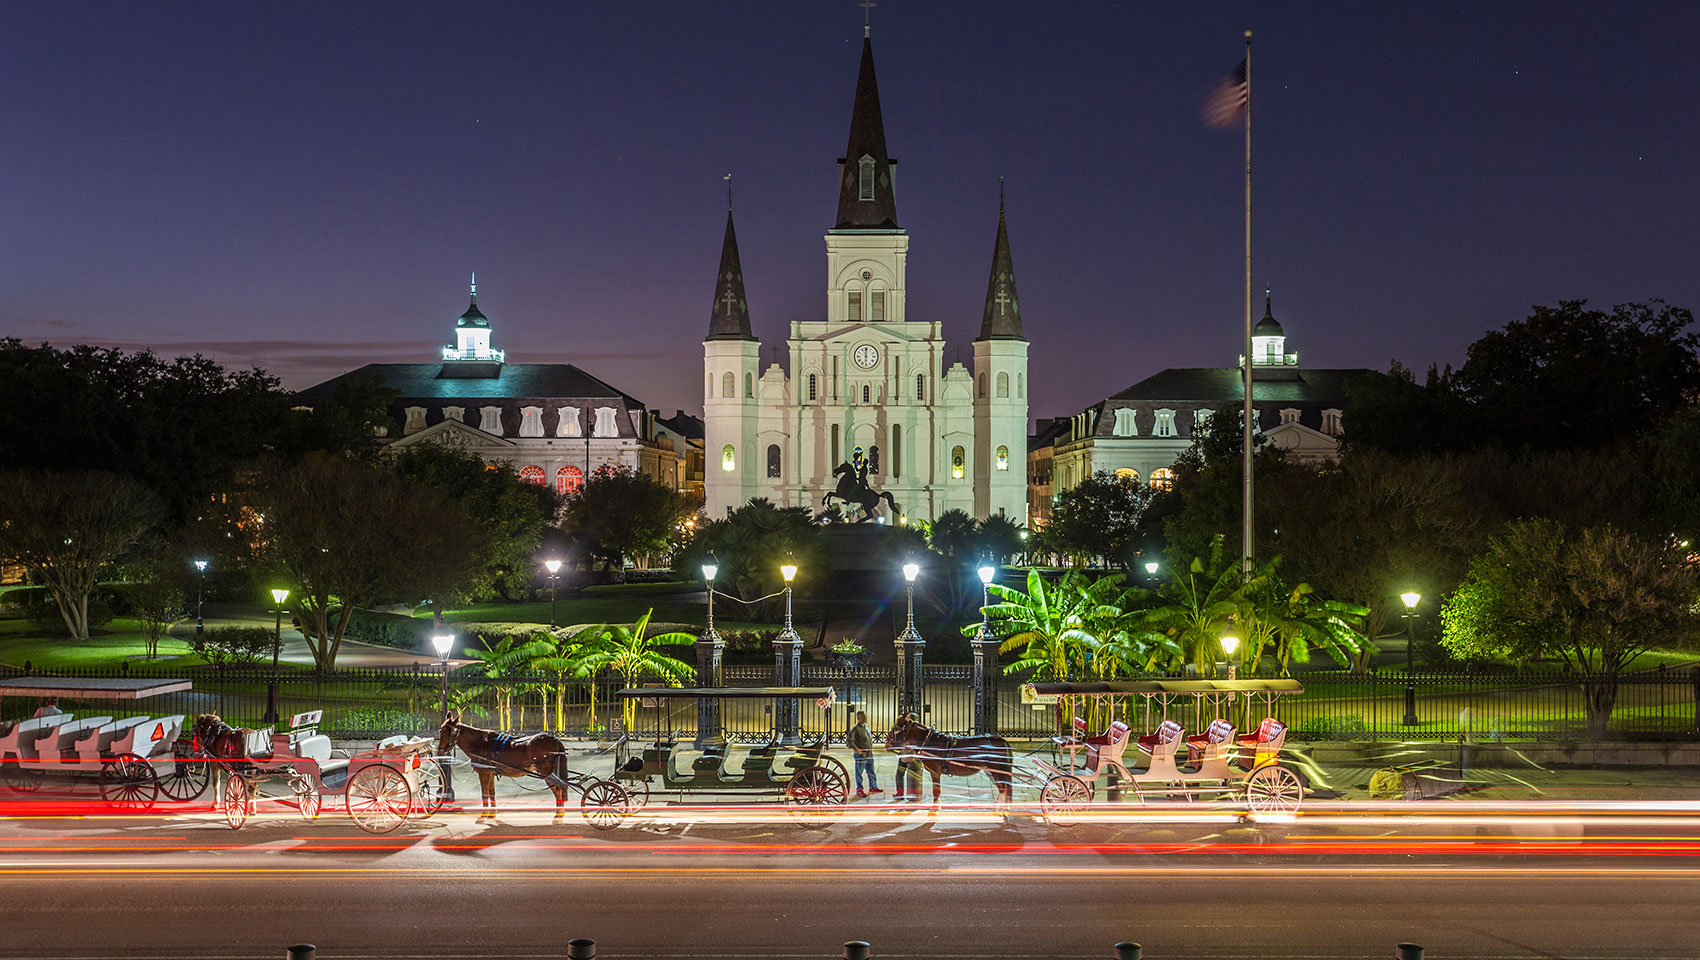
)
(910, 649)
(1410, 600)
(444, 642)
(1151, 570)
(1231, 643)
(710, 652)
(278, 597)
(200, 591)
(554, 567)
(788, 661)
(985, 656)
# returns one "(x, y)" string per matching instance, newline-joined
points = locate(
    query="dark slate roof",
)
(867, 138)
(682, 424)
(730, 317)
(1002, 317)
(1047, 430)
(1267, 327)
(1324, 388)
(531, 381)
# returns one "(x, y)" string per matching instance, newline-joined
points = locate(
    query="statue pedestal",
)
(857, 548)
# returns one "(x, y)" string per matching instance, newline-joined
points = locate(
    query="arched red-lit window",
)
(532, 475)
(569, 480)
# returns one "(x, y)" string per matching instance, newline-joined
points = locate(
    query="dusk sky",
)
(305, 187)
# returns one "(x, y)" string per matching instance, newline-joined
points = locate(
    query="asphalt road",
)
(1463, 879)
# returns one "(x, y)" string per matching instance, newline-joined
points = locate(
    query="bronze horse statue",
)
(853, 488)
(533, 755)
(954, 756)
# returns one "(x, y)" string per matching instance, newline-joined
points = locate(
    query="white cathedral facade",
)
(867, 380)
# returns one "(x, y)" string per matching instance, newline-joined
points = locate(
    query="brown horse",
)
(535, 755)
(219, 739)
(954, 756)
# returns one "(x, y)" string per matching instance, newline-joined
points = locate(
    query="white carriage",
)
(57, 750)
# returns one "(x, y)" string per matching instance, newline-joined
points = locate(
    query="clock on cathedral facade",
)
(867, 375)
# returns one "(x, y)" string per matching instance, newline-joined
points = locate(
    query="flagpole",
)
(1246, 421)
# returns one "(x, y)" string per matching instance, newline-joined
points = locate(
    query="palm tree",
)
(629, 652)
(1195, 608)
(500, 663)
(1298, 621)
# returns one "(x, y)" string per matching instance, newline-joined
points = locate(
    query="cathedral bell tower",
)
(731, 355)
(1000, 392)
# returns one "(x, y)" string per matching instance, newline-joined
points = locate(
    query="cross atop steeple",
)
(867, 18)
(729, 318)
(475, 284)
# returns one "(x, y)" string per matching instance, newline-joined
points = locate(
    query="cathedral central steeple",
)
(867, 187)
(730, 318)
(1001, 320)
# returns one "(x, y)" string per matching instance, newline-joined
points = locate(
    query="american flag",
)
(1227, 101)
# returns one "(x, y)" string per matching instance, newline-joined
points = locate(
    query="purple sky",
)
(306, 186)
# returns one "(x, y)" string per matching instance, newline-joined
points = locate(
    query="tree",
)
(1209, 490)
(1674, 472)
(1594, 600)
(621, 514)
(348, 422)
(156, 598)
(1389, 412)
(500, 663)
(1054, 626)
(344, 535)
(1098, 518)
(64, 527)
(1195, 607)
(997, 539)
(509, 514)
(630, 652)
(751, 542)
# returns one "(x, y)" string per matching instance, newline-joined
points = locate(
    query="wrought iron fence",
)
(1542, 705)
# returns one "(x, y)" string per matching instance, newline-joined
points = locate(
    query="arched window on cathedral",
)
(1021, 385)
(728, 459)
(1162, 478)
(569, 481)
(866, 176)
(773, 460)
(865, 393)
(921, 387)
(813, 387)
(982, 386)
(854, 314)
(728, 385)
(1003, 385)
(958, 463)
(1003, 458)
(876, 305)
(750, 385)
(532, 474)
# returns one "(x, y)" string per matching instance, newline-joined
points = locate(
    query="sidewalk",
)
(351, 654)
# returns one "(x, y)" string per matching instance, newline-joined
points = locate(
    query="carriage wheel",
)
(1273, 790)
(308, 800)
(604, 804)
(1064, 798)
(18, 779)
(238, 800)
(379, 798)
(189, 776)
(637, 793)
(836, 765)
(429, 796)
(814, 788)
(128, 782)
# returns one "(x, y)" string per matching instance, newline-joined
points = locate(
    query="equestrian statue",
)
(853, 488)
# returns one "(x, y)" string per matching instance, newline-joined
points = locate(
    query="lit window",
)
(569, 480)
(1162, 478)
(813, 385)
(455, 413)
(1127, 473)
(1165, 424)
(1201, 421)
(490, 420)
(958, 463)
(415, 420)
(867, 177)
(855, 315)
(1124, 425)
(532, 475)
(728, 459)
(773, 460)
(876, 306)
(1003, 458)
(566, 422)
(605, 424)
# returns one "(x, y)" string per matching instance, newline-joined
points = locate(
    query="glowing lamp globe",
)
(552, 565)
(986, 573)
(911, 570)
(710, 567)
(788, 571)
(1230, 644)
(1151, 567)
(1411, 600)
(278, 596)
(443, 641)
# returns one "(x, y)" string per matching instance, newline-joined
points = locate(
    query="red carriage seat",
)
(1108, 747)
(1167, 734)
(1219, 731)
(1265, 744)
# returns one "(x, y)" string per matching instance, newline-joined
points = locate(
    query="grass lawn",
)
(110, 645)
(611, 603)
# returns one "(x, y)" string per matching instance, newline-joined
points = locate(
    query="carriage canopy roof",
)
(91, 688)
(707, 693)
(1150, 687)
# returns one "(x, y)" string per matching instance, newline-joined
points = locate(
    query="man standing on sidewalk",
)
(862, 747)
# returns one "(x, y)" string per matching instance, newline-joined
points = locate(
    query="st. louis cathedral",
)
(868, 388)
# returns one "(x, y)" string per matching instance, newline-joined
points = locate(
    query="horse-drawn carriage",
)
(1219, 764)
(58, 750)
(801, 774)
(382, 787)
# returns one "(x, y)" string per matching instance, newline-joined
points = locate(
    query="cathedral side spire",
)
(867, 196)
(730, 317)
(1002, 317)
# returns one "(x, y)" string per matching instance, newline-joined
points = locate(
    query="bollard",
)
(856, 950)
(581, 948)
(301, 951)
(1407, 951)
(1127, 951)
